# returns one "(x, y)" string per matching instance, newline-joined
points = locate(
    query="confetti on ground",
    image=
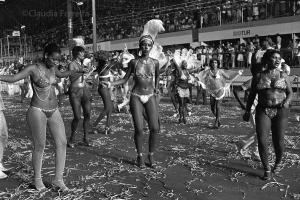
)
(194, 160)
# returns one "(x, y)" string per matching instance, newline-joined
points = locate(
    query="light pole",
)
(25, 41)
(70, 24)
(70, 20)
(78, 4)
(94, 27)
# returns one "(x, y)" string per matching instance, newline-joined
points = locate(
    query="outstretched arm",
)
(195, 70)
(27, 71)
(131, 65)
(64, 74)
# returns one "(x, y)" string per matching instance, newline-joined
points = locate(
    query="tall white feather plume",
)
(188, 56)
(153, 27)
(78, 41)
(158, 54)
(177, 57)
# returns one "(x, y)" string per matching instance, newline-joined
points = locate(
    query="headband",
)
(146, 37)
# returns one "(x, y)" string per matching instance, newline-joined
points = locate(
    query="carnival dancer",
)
(104, 75)
(145, 72)
(274, 96)
(43, 111)
(125, 57)
(80, 96)
(182, 87)
(216, 82)
(124, 90)
(246, 87)
(171, 85)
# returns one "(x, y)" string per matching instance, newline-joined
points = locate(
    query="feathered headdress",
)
(151, 29)
(78, 41)
(188, 56)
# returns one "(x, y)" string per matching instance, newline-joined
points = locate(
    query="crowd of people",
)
(176, 17)
(240, 54)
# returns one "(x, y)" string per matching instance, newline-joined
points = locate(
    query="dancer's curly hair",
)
(267, 56)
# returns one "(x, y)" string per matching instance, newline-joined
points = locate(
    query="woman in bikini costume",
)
(43, 111)
(145, 72)
(182, 89)
(80, 97)
(103, 69)
(274, 96)
(215, 81)
(171, 85)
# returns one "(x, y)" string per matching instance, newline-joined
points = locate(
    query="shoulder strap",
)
(134, 70)
(152, 60)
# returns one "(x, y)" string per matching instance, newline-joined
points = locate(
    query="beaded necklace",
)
(43, 80)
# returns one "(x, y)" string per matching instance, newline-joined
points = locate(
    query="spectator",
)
(278, 41)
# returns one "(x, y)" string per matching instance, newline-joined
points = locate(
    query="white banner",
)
(16, 33)
(245, 32)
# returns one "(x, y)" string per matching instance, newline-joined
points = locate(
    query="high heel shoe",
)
(215, 126)
(180, 120)
(267, 175)
(107, 130)
(140, 161)
(184, 120)
(59, 185)
(152, 163)
(86, 142)
(70, 142)
(39, 185)
(277, 168)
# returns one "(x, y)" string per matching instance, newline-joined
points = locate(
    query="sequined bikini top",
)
(142, 71)
(215, 74)
(43, 81)
(271, 80)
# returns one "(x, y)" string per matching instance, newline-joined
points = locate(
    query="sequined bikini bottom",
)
(143, 98)
(47, 112)
(271, 112)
